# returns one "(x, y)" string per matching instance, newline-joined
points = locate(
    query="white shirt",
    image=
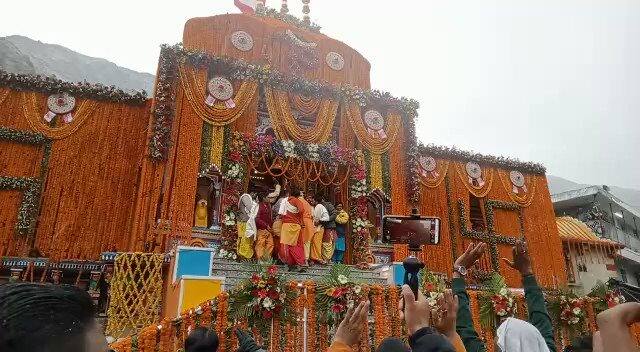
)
(320, 213)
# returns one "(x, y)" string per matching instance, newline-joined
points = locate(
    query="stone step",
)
(235, 272)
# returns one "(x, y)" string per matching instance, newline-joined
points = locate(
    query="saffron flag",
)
(246, 6)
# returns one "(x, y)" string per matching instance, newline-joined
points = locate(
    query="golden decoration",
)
(281, 116)
(487, 176)
(374, 145)
(194, 84)
(376, 172)
(527, 198)
(217, 142)
(306, 105)
(442, 168)
(34, 111)
(136, 293)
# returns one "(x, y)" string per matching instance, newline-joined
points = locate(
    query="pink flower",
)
(267, 314)
(337, 308)
(255, 279)
(262, 293)
(272, 270)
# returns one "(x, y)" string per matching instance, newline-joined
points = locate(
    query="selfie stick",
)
(412, 265)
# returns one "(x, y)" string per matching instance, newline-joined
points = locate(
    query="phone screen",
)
(414, 231)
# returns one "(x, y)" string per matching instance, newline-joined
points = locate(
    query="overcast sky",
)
(557, 82)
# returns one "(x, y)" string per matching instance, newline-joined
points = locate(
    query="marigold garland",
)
(431, 181)
(524, 200)
(166, 335)
(283, 120)
(381, 327)
(392, 309)
(194, 84)
(487, 175)
(312, 340)
(33, 113)
(375, 145)
(222, 321)
(365, 344)
(375, 171)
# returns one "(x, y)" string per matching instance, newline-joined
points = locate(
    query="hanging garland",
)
(263, 11)
(50, 85)
(282, 118)
(374, 144)
(194, 84)
(171, 57)
(412, 178)
(478, 184)
(386, 174)
(525, 194)
(432, 171)
(33, 114)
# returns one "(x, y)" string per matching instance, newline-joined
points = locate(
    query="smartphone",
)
(413, 230)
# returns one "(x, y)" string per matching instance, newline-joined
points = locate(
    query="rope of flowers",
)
(392, 308)
(487, 175)
(147, 339)
(33, 113)
(194, 85)
(310, 289)
(381, 325)
(222, 321)
(290, 326)
(375, 145)
(437, 176)
(365, 344)
(167, 333)
(306, 105)
(274, 339)
(528, 196)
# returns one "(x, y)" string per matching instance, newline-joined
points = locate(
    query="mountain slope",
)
(20, 54)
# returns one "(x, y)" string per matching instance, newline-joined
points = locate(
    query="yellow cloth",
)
(289, 233)
(264, 244)
(201, 216)
(308, 229)
(316, 244)
(245, 244)
(277, 227)
(327, 251)
(307, 250)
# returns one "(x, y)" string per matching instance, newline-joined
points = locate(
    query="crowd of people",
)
(294, 228)
(52, 318)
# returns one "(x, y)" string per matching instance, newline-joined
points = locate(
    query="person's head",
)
(392, 344)
(581, 344)
(339, 206)
(201, 340)
(295, 192)
(262, 197)
(311, 198)
(48, 318)
(515, 335)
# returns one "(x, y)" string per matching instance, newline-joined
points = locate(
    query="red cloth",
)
(293, 255)
(263, 219)
(294, 218)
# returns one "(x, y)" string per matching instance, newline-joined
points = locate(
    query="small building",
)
(608, 217)
(588, 258)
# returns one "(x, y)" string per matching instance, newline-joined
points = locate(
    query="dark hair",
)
(295, 192)
(262, 196)
(37, 317)
(392, 344)
(581, 344)
(201, 340)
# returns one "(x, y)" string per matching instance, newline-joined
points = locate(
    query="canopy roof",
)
(574, 230)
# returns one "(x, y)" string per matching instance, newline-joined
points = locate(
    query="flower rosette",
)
(572, 311)
(497, 302)
(261, 298)
(335, 294)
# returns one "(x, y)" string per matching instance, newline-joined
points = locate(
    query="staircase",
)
(235, 272)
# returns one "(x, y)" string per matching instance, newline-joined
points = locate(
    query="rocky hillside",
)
(20, 54)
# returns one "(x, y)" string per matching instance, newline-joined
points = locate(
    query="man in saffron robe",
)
(264, 222)
(308, 229)
(291, 241)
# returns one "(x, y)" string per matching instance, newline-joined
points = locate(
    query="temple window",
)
(476, 215)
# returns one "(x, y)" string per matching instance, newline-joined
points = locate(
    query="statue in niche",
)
(207, 200)
(201, 216)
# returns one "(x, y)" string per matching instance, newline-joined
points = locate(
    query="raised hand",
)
(445, 318)
(417, 312)
(521, 260)
(350, 329)
(470, 256)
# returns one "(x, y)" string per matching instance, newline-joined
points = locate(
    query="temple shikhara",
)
(138, 198)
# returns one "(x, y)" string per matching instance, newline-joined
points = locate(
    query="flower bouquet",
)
(337, 293)
(569, 309)
(497, 302)
(262, 298)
